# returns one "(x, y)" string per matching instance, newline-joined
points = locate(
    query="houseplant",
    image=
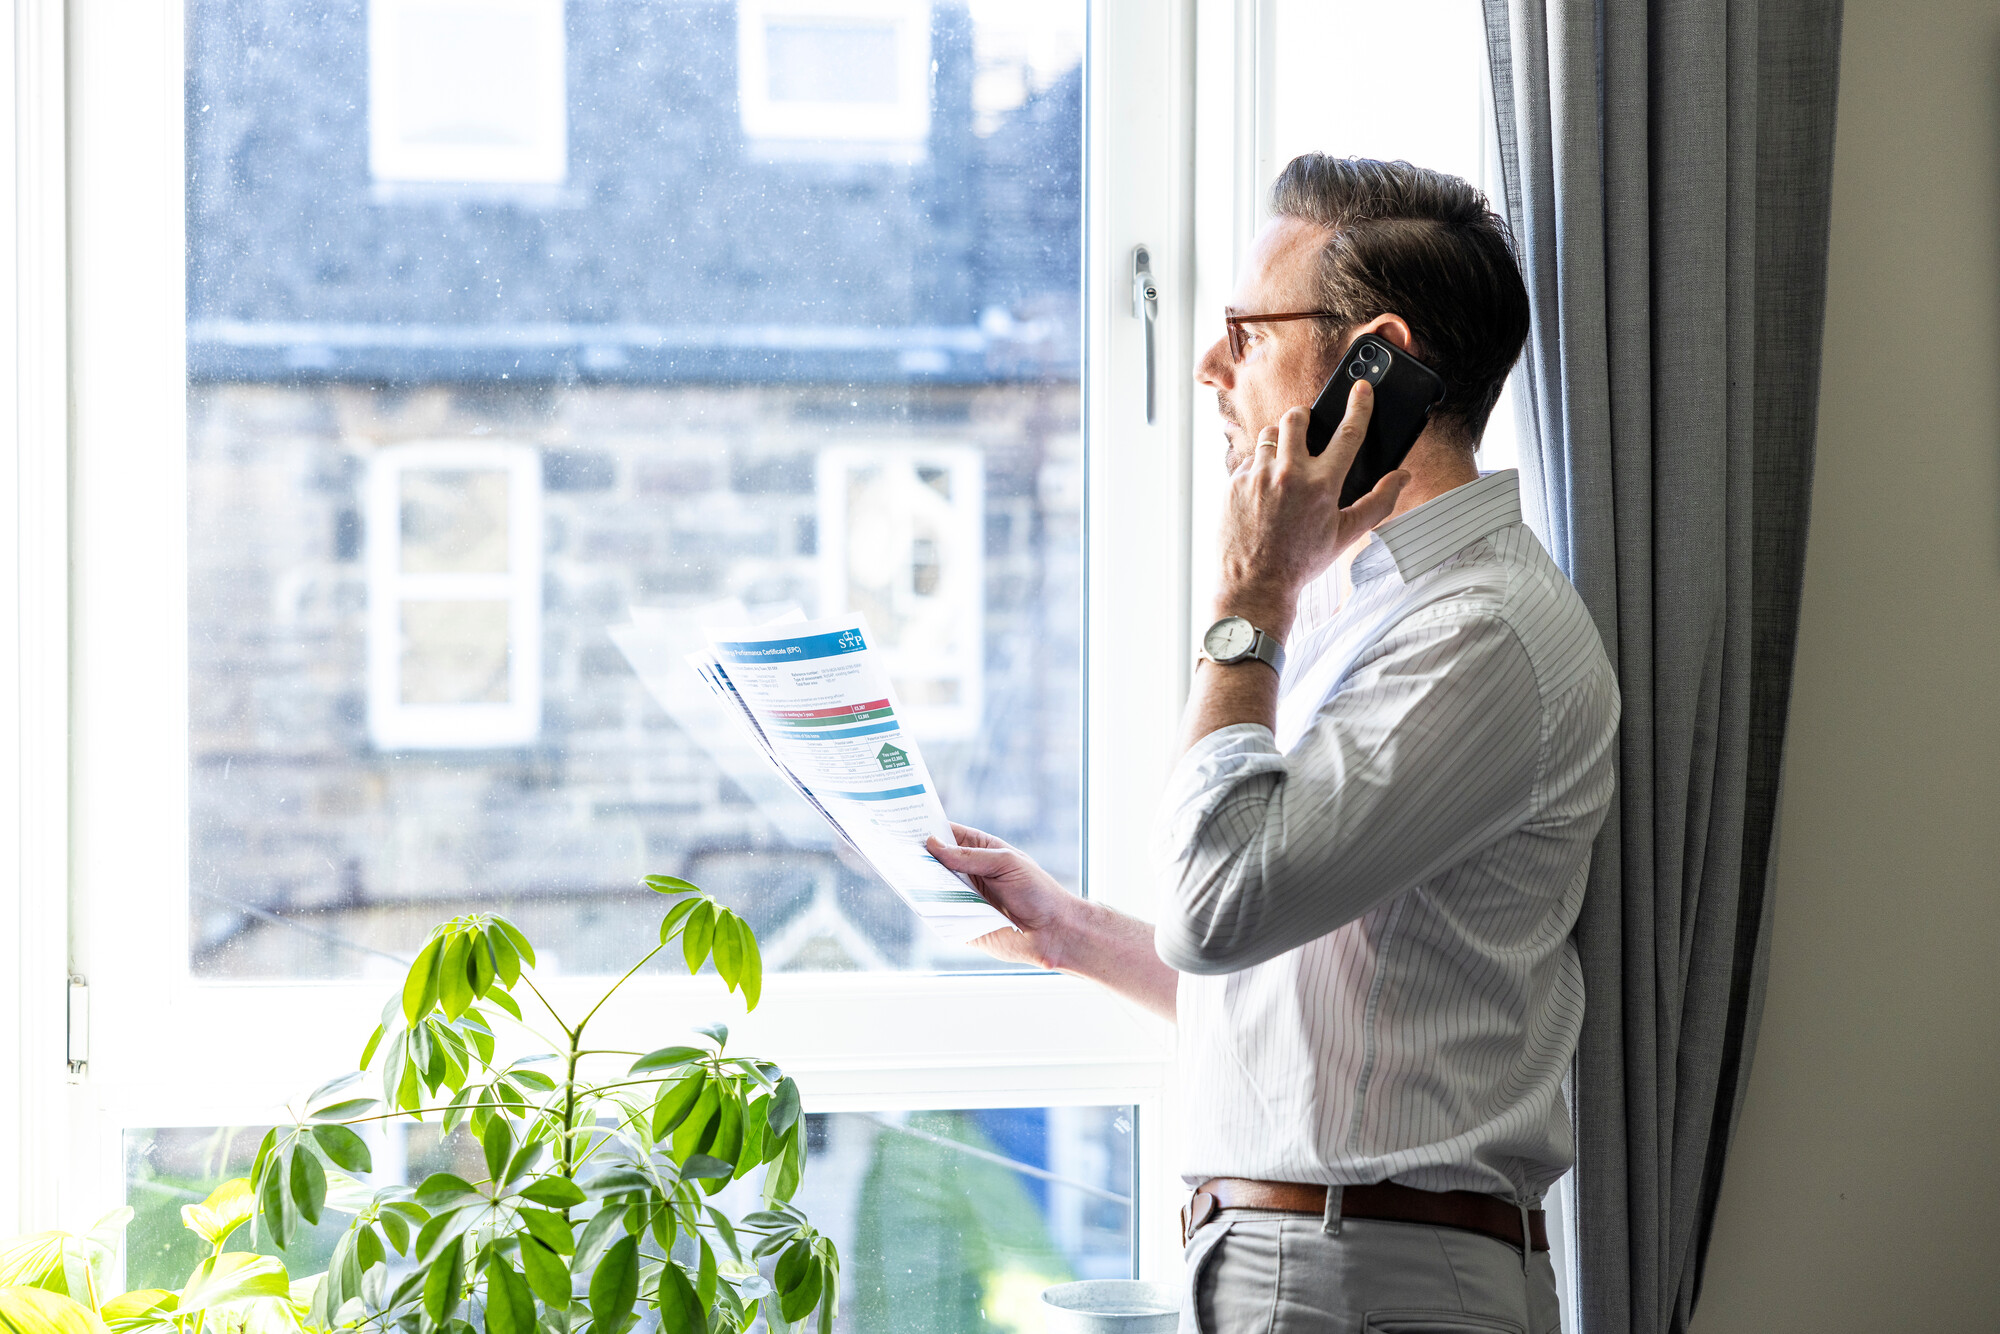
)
(596, 1203)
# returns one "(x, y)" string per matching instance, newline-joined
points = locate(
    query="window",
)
(902, 538)
(467, 91)
(950, 1219)
(1436, 112)
(454, 596)
(836, 78)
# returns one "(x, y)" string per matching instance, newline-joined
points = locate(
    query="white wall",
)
(1863, 1192)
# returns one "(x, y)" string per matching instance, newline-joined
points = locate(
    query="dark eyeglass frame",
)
(1235, 323)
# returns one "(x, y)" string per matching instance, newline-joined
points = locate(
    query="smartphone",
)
(1405, 392)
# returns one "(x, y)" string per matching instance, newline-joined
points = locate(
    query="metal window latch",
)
(79, 1025)
(1145, 306)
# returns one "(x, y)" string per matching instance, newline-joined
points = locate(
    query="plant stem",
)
(545, 1003)
(619, 983)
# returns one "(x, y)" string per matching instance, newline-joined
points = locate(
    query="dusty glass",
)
(496, 335)
(946, 1220)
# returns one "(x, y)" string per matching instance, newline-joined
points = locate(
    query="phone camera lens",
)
(1357, 370)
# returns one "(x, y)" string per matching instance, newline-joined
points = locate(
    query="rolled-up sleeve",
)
(1428, 749)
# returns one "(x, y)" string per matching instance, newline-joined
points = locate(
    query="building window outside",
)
(467, 91)
(835, 78)
(454, 596)
(902, 533)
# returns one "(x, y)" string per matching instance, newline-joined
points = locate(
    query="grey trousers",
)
(1253, 1271)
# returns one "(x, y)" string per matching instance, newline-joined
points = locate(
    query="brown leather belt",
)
(1385, 1200)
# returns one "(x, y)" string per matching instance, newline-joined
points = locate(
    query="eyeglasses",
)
(1235, 324)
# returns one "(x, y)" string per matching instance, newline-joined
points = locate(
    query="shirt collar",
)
(1419, 541)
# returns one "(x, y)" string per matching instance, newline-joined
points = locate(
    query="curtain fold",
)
(1667, 174)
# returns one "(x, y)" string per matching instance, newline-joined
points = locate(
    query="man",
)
(1377, 856)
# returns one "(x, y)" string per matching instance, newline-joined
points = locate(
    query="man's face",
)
(1284, 365)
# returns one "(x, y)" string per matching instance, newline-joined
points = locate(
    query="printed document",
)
(813, 697)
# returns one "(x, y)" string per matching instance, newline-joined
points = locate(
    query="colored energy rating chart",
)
(815, 699)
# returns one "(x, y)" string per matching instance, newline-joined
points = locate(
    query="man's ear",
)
(1391, 327)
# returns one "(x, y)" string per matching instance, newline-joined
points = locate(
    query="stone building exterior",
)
(680, 330)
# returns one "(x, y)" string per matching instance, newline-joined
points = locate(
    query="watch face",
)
(1229, 638)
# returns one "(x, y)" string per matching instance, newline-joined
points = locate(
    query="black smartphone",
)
(1405, 392)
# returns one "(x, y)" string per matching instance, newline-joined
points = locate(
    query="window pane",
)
(946, 1221)
(756, 338)
(1436, 112)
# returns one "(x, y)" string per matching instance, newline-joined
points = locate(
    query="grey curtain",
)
(1667, 170)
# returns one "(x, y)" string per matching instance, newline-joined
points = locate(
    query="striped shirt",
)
(1373, 907)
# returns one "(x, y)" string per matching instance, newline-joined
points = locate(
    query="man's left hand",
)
(1283, 525)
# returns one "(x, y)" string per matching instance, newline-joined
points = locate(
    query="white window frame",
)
(897, 130)
(392, 723)
(167, 1049)
(392, 158)
(967, 591)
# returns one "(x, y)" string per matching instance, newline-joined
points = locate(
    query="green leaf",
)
(697, 1132)
(727, 947)
(274, 1206)
(231, 1277)
(791, 1269)
(615, 1285)
(524, 1161)
(374, 1041)
(781, 1181)
(670, 884)
(333, 1085)
(479, 965)
(681, 1308)
(716, 1033)
(454, 987)
(784, 1106)
(443, 1230)
(26, 1310)
(703, 1167)
(756, 1117)
(396, 1228)
(516, 939)
(228, 1207)
(420, 988)
(368, 1250)
(704, 1283)
(751, 970)
(799, 1301)
(503, 1000)
(556, 1192)
(597, 1234)
(139, 1306)
(442, 1190)
(726, 1230)
(308, 1184)
(344, 1148)
(676, 915)
(551, 1229)
(546, 1272)
(666, 1058)
(444, 1283)
(510, 1302)
(341, 1111)
(698, 935)
(676, 1101)
(498, 1145)
(35, 1261)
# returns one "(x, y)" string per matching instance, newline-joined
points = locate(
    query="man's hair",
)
(1424, 245)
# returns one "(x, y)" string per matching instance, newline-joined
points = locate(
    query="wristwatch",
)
(1233, 639)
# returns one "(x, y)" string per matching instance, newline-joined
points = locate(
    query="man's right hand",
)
(1027, 895)
(1053, 928)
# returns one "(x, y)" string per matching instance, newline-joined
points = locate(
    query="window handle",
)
(1145, 306)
